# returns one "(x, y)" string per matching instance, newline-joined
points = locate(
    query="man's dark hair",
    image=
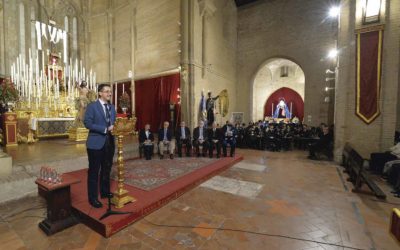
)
(102, 86)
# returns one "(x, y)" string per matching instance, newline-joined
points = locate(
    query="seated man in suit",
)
(324, 145)
(182, 136)
(229, 137)
(146, 139)
(165, 141)
(200, 139)
(214, 140)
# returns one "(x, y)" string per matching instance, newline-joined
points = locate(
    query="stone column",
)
(2, 41)
(133, 45)
(187, 54)
(345, 73)
(111, 44)
(207, 9)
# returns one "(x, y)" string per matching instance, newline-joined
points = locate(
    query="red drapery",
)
(290, 96)
(368, 73)
(152, 99)
(122, 86)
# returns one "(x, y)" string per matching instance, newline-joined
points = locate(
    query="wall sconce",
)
(329, 88)
(371, 11)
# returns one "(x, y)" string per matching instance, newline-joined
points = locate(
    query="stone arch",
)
(266, 80)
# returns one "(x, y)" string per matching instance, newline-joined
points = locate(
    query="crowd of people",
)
(281, 136)
(261, 135)
(203, 140)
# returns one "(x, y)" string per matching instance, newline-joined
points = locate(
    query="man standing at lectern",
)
(99, 119)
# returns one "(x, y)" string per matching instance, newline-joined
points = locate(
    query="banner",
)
(368, 67)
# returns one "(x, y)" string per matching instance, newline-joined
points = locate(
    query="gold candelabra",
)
(30, 132)
(122, 127)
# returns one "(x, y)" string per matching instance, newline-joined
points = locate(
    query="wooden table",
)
(58, 199)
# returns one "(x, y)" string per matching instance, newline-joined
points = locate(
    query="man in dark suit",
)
(99, 119)
(200, 139)
(165, 141)
(214, 140)
(146, 139)
(182, 136)
(323, 145)
(229, 137)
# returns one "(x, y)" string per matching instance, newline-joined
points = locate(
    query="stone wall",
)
(215, 45)
(268, 80)
(377, 136)
(143, 37)
(294, 29)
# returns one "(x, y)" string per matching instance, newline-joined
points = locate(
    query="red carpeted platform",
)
(146, 201)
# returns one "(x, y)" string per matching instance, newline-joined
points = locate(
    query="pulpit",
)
(58, 199)
(10, 129)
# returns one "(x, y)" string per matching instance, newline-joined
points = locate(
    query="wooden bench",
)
(354, 167)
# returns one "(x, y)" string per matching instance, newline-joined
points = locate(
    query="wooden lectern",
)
(10, 129)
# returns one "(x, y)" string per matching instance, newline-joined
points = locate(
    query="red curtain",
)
(122, 86)
(290, 96)
(152, 99)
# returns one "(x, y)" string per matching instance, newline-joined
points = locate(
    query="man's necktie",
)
(108, 116)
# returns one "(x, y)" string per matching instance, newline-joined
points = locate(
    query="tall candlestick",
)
(272, 112)
(116, 94)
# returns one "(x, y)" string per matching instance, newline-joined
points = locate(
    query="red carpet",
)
(146, 201)
(150, 175)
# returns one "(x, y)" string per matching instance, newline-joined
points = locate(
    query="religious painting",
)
(237, 117)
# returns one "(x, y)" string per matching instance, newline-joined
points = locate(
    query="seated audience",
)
(200, 139)
(214, 140)
(229, 137)
(146, 139)
(323, 145)
(165, 141)
(182, 137)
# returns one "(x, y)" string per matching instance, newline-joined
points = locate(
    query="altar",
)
(51, 127)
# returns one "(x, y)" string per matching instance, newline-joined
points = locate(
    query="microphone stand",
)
(110, 211)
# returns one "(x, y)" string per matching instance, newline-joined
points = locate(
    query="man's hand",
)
(111, 128)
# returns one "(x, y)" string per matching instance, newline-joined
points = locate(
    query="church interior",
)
(228, 124)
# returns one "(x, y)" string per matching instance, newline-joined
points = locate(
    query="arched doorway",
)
(292, 99)
(278, 74)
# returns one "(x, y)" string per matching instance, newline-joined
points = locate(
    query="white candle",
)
(116, 95)
(123, 88)
(37, 67)
(63, 77)
(12, 75)
(76, 70)
(42, 60)
(272, 108)
(291, 104)
(58, 88)
(94, 82)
